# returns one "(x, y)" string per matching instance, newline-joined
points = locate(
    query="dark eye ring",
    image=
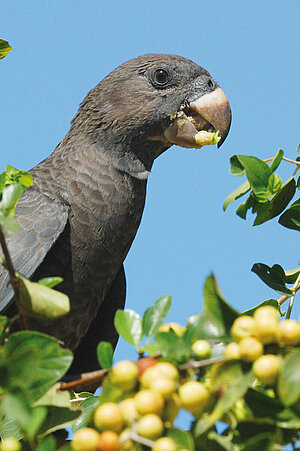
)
(161, 77)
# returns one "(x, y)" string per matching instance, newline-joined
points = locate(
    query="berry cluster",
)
(254, 334)
(155, 395)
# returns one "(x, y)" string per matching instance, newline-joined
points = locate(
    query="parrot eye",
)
(210, 83)
(161, 77)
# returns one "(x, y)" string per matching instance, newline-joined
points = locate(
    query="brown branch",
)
(12, 278)
(91, 379)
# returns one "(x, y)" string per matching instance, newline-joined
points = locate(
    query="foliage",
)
(244, 368)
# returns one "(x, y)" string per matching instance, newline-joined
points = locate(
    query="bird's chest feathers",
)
(105, 215)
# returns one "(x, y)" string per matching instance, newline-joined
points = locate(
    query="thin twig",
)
(12, 277)
(284, 298)
(285, 159)
(92, 376)
(194, 364)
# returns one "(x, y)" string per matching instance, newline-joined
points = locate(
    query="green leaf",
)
(51, 364)
(58, 418)
(274, 184)
(291, 275)
(236, 168)
(277, 160)
(273, 277)
(215, 304)
(273, 207)
(10, 196)
(42, 302)
(232, 383)
(170, 346)
(9, 428)
(236, 194)
(50, 282)
(128, 324)
(291, 217)
(4, 48)
(47, 444)
(16, 406)
(37, 418)
(87, 408)
(11, 175)
(8, 223)
(154, 316)
(105, 354)
(242, 210)
(203, 326)
(258, 173)
(260, 442)
(183, 439)
(289, 379)
(54, 397)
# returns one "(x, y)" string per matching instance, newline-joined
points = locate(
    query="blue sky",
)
(63, 48)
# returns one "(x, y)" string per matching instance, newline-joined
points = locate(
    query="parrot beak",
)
(205, 120)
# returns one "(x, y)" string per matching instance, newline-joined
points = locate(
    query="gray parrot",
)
(80, 216)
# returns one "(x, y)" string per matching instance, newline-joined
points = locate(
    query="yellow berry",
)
(108, 441)
(85, 439)
(150, 426)
(128, 410)
(193, 396)
(164, 444)
(148, 401)
(108, 416)
(164, 386)
(267, 311)
(250, 349)
(161, 369)
(289, 332)
(175, 327)
(202, 348)
(232, 351)
(242, 327)
(266, 329)
(10, 444)
(124, 374)
(266, 368)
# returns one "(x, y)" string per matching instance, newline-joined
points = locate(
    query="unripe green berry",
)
(250, 349)
(243, 326)
(193, 396)
(150, 426)
(289, 332)
(124, 374)
(164, 444)
(266, 368)
(10, 444)
(108, 416)
(85, 439)
(232, 351)
(202, 348)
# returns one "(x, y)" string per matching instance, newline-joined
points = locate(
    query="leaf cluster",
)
(268, 196)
